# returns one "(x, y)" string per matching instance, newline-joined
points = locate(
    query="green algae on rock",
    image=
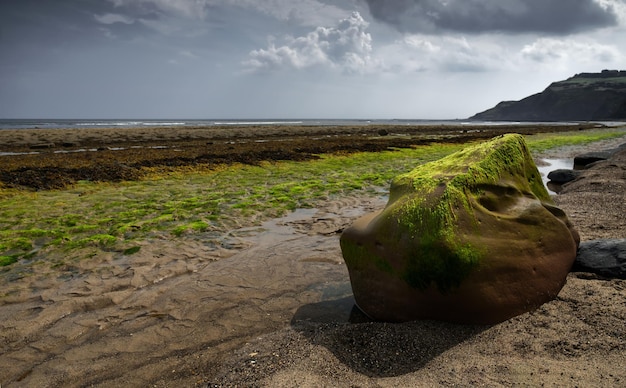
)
(472, 237)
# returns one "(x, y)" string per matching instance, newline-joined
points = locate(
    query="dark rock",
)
(471, 238)
(603, 257)
(383, 132)
(563, 175)
(41, 146)
(583, 160)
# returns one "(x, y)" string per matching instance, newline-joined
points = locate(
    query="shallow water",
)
(174, 305)
(550, 165)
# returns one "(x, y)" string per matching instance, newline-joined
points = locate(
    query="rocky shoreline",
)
(578, 339)
(278, 311)
(596, 203)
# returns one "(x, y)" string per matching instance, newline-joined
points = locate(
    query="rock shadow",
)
(377, 349)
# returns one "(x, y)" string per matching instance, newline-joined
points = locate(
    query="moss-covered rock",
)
(473, 237)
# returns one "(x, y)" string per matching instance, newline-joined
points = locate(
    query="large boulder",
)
(471, 238)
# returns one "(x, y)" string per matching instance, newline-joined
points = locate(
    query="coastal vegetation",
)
(204, 203)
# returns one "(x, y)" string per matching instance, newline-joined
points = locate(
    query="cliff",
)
(583, 97)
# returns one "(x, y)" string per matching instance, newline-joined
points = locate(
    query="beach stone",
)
(563, 175)
(583, 160)
(603, 257)
(471, 238)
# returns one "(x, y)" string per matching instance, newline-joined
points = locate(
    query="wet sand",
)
(275, 309)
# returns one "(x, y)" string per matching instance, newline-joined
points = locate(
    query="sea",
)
(138, 123)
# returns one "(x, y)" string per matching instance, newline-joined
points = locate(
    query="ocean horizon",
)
(139, 123)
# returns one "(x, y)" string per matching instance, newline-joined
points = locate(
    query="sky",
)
(289, 59)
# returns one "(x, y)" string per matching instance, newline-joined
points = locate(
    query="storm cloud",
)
(481, 16)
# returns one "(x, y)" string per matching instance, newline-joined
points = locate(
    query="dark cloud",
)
(479, 16)
(50, 25)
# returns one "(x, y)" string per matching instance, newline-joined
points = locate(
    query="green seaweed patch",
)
(8, 260)
(131, 250)
(99, 240)
(197, 226)
(430, 197)
(20, 243)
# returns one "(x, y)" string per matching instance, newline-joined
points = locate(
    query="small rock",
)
(563, 175)
(603, 257)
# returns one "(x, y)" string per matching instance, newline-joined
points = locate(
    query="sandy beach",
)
(275, 309)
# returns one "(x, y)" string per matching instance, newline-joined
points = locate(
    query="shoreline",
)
(276, 310)
(17, 138)
(51, 159)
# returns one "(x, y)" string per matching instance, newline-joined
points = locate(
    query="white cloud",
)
(195, 17)
(183, 56)
(111, 18)
(192, 9)
(165, 27)
(454, 54)
(421, 44)
(618, 7)
(566, 51)
(188, 54)
(347, 46)
(304, 12)
(185, 18)
(498, 53)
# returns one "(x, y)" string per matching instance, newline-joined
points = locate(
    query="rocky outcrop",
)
(584, 97)
(471, 238)
(603, 257)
